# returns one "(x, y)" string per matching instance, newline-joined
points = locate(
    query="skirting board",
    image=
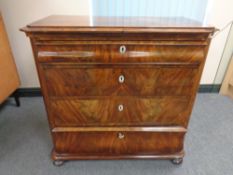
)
(36, 92)
(209, 88)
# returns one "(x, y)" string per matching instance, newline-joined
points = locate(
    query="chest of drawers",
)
(118, 88)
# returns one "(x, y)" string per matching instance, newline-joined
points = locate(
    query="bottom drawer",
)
(118, 142)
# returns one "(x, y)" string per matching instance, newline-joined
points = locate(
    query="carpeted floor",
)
(25, 143)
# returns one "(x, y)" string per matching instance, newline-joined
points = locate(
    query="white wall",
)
(17, 14)
(220, 12)
(226, 57)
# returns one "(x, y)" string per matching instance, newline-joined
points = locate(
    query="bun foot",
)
(58, 163)
(177, 161)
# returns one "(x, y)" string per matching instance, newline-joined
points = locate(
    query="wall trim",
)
(209, 88)
(36, 92)
(29, 92)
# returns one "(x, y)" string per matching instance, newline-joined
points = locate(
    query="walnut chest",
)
(118, 88)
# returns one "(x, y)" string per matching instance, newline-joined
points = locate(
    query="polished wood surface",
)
(144, 111)
(119, 143)
(128, 129)
(113, 22)
(55, 23)
(118, 88)
(99, 53)
(157, 80)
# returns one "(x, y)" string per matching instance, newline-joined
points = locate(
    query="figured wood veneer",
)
(91, 112)
(108, 143)
(141, 80)
(104, 111)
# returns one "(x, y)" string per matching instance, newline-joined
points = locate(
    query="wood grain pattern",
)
(121, 128)
(152, 111)
(46, 38)
(58, 23)
(66, 156)
(104, 81)
(109, 143)
(134, 53)
(79, 67)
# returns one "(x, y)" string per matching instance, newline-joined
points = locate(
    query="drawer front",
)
(118, 143)
(150, 80)
(121, 53)
(120, 111)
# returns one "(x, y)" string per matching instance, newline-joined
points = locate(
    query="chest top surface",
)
(65, 23)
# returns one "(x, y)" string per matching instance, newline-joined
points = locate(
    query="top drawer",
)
(121, 53)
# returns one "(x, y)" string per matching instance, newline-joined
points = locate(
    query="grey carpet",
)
(25, 143)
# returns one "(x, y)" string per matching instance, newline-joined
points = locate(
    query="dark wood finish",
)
(158, 52)
(58, 156)
(157, 80)
(93, 112)
(136, 111)
(118, 143)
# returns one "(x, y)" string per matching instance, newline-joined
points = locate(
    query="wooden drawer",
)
(121, 53)
(110, 143)
(109, 80)
(120, 111)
